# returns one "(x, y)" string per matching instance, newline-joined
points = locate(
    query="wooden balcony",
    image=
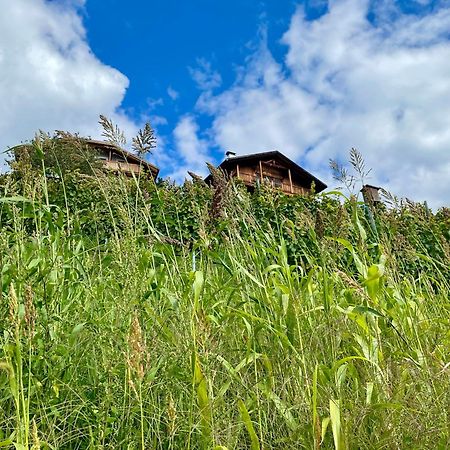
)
(285, 186)
(123, 167)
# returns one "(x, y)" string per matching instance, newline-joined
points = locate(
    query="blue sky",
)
(310, 78)
(159, 44)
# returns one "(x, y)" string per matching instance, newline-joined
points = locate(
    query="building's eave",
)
(128, 155)
(320, 185)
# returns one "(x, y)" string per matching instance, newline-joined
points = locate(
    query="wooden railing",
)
(123, 166)
(251, 180)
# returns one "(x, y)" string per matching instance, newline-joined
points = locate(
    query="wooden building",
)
(272, 167)
(371, 194)
(117, 159)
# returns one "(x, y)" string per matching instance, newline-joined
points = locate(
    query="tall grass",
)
(230, 340)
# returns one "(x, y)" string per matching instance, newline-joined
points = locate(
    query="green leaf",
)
(325, 423)
(335, 417)
(280, 405)
(203, 401)
(197, 286)
(249, 425)
(369, 392)
(77, 329)
(33, 263)
(15, 199)
(358, 263)
(18, 446)
(372, 281)
(6, 443)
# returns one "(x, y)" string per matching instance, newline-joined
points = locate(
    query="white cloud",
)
(49, 77)
(191, 150)
(172, 93)
(380, 86)
(204, 76)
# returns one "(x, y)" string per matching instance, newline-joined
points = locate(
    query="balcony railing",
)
(251, 180)
(122, 166)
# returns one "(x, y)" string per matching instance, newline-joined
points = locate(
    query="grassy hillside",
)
(136, 316)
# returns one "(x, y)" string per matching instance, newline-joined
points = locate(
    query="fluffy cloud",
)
(49, 78)
(204, 76)
(192, 151)
(381, 86)
(172, 93)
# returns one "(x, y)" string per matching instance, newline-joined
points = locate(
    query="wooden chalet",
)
(272, 167)
(117, 159)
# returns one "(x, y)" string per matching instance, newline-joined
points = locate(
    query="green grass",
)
(270, 328)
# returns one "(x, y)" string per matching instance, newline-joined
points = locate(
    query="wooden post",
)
(261, 171)
(290, 181)
(110, 156)
(237, 170)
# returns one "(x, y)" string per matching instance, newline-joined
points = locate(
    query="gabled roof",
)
(275, 154)
(370, 186)
(129, 157)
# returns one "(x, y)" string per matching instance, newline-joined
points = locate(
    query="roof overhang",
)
(275, 154)
(129, 157)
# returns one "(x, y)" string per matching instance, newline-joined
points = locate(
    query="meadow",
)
(143, 316)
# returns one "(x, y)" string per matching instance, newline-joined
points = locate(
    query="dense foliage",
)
(143, 315)
(57, 155)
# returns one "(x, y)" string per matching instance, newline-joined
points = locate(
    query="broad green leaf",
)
(197, 286)
(203, 401)
(280, 405)
(325, 423)
(369, 392)
(335, 417)
(249, 425)
(6, 443)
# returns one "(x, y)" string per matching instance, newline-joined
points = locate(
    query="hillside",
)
(137, 315)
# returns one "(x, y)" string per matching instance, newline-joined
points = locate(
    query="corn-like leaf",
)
(325, 423)
(281, 406)
(335, 417)
(203, 401)
(249, 425)
(197, 286)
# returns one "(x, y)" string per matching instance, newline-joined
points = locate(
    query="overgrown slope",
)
(136, 316)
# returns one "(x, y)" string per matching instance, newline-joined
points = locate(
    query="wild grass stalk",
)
(271, 326)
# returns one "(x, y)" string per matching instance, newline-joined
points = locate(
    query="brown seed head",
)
(137, 348)
(13, 306)
(36, 442)
(171, 415)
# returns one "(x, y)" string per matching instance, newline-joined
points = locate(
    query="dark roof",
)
(370, 186)
(130, 157)
(275, 154)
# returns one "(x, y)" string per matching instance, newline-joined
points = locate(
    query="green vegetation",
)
(142, 316)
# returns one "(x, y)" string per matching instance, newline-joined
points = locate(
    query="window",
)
(117, 158)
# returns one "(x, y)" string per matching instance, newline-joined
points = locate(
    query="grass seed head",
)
(220, 186)
(137, 348)
(35, 437)
(13, 306)
(171, 416)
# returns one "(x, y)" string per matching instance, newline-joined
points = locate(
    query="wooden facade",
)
(118, 160)
(273, 168)
(371, 194)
